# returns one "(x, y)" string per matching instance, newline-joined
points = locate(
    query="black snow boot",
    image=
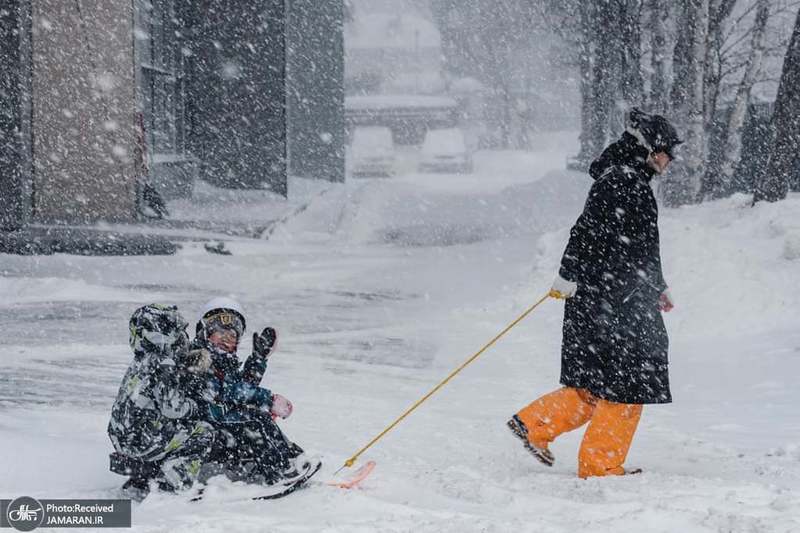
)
(136, 489)
(543, 455)
(301, 466)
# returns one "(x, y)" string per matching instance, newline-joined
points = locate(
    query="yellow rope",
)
(419, 402)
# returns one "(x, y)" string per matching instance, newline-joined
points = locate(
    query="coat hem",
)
(616, 399)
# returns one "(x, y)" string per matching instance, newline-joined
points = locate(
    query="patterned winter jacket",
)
(154, 401)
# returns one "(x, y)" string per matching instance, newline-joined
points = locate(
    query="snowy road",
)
(378, 290)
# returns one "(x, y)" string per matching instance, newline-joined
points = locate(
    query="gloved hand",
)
(281, 407)
(665, 302)
(562, 288)
(264, 343)
(197, 361)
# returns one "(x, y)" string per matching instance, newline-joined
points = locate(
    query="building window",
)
(160, 83)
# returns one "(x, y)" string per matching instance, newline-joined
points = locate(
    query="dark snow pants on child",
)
(253, 449)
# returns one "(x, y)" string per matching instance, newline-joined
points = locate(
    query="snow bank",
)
(413, 212)
(732, 268)
(254, 208)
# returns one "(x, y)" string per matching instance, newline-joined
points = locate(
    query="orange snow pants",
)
(607, 439)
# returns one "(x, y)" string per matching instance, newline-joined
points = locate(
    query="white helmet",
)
(217, 306)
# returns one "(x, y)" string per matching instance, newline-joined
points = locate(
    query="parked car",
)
(445, 150)
(372, 151)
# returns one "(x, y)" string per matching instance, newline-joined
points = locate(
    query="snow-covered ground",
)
(379, 288)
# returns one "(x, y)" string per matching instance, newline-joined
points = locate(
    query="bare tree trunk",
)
(773, 184)
(695, 135)
(630, 88)
(590, 146)
(719, 11)
(605, 71)
(632, 82)
(671, 185)
(682, 187)
(681, 62)
(659, 14)
(718, 184)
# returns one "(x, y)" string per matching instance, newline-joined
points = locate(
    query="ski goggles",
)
(224, 321)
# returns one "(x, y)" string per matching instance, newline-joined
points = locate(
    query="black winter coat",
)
(614, 340)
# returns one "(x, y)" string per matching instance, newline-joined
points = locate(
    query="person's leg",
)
(608, 439)
(273, 451)
(184, 454)
(555, 413)
(260, 452)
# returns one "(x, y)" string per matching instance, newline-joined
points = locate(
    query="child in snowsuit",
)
(157, 429)
(614, 348)
(249, 445)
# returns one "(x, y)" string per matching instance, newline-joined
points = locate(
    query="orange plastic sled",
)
(357, 477)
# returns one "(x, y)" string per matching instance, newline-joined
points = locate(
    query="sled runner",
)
(286, 487)
(140, 469)
(350, 482)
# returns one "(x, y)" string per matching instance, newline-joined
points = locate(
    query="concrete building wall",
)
(83, 111)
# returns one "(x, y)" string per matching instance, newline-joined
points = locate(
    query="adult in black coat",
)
(614, 348)
(614, 340)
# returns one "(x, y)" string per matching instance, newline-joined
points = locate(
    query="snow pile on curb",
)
(728, 262)
(732, 268)
(416, 213)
